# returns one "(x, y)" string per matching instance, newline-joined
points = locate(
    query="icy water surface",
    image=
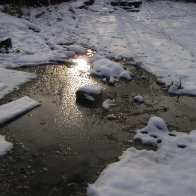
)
(61, 146)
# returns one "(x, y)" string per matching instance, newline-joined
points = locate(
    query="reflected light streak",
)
(82, 65)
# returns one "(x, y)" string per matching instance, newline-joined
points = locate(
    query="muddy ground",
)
(61, 146)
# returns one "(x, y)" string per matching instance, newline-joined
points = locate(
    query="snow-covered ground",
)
(162, 37)
(11, 79)
(168, 171)
(16, 108)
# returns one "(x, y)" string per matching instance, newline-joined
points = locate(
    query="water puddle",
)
(61, 146)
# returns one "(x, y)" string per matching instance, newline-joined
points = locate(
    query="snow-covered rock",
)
(138, 99)
(160, 82)
(89, 94)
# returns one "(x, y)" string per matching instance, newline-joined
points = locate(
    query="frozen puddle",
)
(168, 171)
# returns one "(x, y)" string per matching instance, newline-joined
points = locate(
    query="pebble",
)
(45, 169)
(33, 172)
(111, 117)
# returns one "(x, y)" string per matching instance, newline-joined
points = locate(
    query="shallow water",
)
(61, 146)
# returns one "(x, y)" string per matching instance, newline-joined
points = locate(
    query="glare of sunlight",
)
(90, 52)
(82, 65)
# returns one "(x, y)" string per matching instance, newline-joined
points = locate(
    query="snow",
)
(11, 79)
(138, 98)
(109, 69)
(91, 89)
(16, 108)
(5, 146)
(107, 104)
(174, 89)
(168, 171)
(90, 98)
(77, 49)
(161, 37)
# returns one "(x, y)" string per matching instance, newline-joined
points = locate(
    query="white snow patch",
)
(90, 98)
(109, 69)
(91, 89)
(11, 79)
(31, 44)
(168, 171)
(174, 89)
(13, 109)
(77, 49)
(5, 146)
(107, 104)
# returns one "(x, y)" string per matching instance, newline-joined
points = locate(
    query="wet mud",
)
(61, 146)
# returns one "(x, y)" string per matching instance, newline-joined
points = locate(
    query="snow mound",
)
(16, 108)
(174, 89)
(168, 171)
(4, 145)
(109, 69)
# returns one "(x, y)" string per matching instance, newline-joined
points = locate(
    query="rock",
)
(138, 99)
(127, 3)
(89, 95)
(111, 117)
(89, 2)
(45, 169)
(160, 82)
(6, 44)
(142, 76)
